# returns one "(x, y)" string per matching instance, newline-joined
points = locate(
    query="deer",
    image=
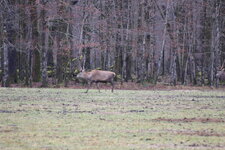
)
(220, 74)
(96, 76)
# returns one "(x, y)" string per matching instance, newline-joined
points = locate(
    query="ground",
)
(69, 119)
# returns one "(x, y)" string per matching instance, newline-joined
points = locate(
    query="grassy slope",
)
(52, 119)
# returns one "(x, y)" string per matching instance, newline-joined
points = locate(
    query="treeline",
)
(173, 41)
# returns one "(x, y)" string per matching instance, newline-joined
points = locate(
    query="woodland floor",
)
(69, 119)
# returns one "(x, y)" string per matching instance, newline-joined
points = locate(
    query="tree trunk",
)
(55, 54)
(163, 43)
(5, 79)
(217, 36)
(44, 74)
(29, 37)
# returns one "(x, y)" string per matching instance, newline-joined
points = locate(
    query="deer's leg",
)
(97, 84)
(105, 85)
(89, 85)
(112, 85)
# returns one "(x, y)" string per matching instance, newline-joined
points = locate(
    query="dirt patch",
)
(7, 111)
(125, 86)
(176, 146)
(77, 112)
(197, 133)
(205, 146)
(203, 120)
(202, 133)
(217, 97)
(146, 86)
(7, 130)
(12, 111)
(136, 111)
(205, 133)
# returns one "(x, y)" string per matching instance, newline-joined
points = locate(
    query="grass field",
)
(69, 119)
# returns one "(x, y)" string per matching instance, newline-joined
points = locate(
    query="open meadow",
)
(69, 119)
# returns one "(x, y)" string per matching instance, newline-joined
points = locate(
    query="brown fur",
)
(97, 76)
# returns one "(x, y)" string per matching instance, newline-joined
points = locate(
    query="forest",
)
(172, 41)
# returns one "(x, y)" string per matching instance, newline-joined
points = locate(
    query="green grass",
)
(69, 119)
